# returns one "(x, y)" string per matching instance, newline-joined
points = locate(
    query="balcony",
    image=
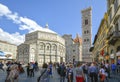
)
(114, 37)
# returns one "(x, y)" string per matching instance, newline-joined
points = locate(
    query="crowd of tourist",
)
(81, 72)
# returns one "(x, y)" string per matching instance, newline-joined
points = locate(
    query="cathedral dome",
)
(46, 29)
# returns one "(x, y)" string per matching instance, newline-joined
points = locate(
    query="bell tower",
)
(86, 34)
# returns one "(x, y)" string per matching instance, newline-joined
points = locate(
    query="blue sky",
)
(62, 16)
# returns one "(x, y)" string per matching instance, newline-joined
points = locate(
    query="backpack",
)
(15, 76)
(85, 69)
(69, 73)
(63, 71)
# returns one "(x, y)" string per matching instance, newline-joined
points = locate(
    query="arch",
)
(48, 46)
(42, 45)
(54, 47)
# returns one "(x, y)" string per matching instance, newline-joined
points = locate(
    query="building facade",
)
(8, 51)
(113, 9)
(100, 48)
(73, 48)
(86, 34)
(109, 49)
(42, 46)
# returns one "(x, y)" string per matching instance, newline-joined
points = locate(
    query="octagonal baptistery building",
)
(43, 46)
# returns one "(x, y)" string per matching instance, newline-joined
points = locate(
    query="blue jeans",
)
(86, 77)
(62, 79)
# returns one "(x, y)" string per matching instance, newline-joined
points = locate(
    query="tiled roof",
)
(78, 39)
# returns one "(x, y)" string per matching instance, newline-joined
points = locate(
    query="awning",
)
(112, 56)
(2, 57)
(8, 53)
(118, 53)
(2, 53)
(5, 55)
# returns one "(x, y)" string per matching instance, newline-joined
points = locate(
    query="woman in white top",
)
(102, 74)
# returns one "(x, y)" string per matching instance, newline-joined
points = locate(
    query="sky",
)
(19, 17)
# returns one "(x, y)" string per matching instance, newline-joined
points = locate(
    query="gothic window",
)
(84, 32)
(84, 40)
(73, 50)
(87, 31)
(87, 39)
(86, 21)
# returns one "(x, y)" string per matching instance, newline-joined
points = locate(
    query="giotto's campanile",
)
(86, 34)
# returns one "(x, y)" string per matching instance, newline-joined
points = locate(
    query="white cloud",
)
(14, 38)
(23, 23)
(4, 10)
(29, 24)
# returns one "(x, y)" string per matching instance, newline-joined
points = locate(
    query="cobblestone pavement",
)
(55, 78)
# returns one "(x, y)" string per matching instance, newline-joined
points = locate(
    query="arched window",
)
(86, 21)
(48, 46)
(87, 31)
(42, 46)
(54, 47)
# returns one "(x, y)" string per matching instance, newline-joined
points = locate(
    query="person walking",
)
(102, 73)
(79, 73)
(92, 71)
(28, 70)
(107, 70)
(62, 72)
(85, 71)
(31, 70)
(44, 76)
(70, 74)
(14, 73)
(50, 66)
(1, 66)
(113, 68)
